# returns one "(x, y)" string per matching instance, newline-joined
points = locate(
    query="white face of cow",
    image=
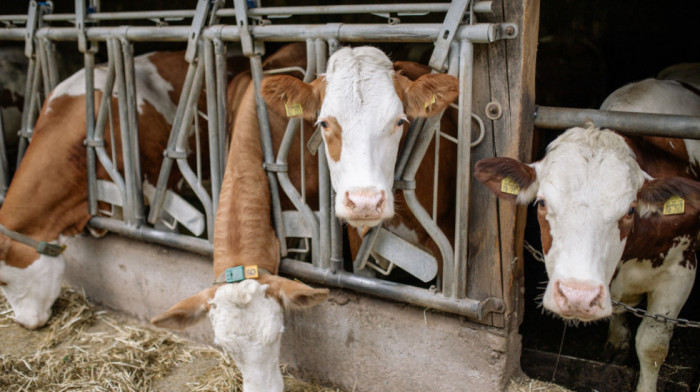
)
(249, 325)
(585, 190)
(362, 120)
(32, 291)
(587, 187)
(362, 107)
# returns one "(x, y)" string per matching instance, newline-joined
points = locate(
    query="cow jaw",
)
(588, 180)
(32, 290)
(249, 325)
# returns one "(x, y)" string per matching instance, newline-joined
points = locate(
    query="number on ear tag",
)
(509, 186)
(293, 109)
(674, 205)
(251, 272)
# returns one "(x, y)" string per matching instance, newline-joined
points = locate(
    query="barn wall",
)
(354, 342)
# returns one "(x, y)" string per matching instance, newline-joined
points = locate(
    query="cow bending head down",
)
(362, 108)
(591, 195)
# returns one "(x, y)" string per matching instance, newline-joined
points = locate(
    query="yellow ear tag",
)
(293, 109)
(509, 186)
(431, 102)
(674, 205)
(251, 272)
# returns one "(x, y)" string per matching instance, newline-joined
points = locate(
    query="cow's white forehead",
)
(359, 79)
(591, 169)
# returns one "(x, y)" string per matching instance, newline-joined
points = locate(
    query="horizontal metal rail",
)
(405, 32)
(399, 9)
(666, 125)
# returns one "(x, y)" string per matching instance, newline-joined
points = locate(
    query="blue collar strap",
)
(240, 273)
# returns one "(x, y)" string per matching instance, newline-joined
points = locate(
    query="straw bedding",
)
(85, 349)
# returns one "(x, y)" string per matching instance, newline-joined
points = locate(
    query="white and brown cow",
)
(48, 195)
(618, 217)
(362, 105)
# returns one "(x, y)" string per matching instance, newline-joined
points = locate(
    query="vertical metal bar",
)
(44, 64)
(167, 165)
(268, 154)
(181, 147)
(105, 112)
(134, 156)
(221, 101)
(29, 112)
(129, 203)
(466, 58)
(4, 169)
(89, 63)
(212, 89)
(53, 65)
(324, 185)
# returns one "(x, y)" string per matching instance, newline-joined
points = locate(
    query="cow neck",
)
(48, 195)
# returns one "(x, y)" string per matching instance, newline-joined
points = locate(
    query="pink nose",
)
(579, 300)
(365, 204)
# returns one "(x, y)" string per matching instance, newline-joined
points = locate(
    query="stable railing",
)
(206, 39)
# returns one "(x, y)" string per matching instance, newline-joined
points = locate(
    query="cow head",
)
(591, 195)
(248, 321)
(362, 107)
(31, 282)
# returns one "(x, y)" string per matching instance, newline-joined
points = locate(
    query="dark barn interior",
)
(586, 50)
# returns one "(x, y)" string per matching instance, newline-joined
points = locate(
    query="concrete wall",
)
(355, 342)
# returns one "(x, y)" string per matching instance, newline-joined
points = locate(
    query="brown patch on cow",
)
(626, 223)
(660, 157)
(492, 171)
(333, 136)
(654, 234)
(545, 229)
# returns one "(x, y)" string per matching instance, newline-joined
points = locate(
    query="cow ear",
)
(669, 196)
(507, 178)
(186, 312)
(291, 294)
(427, 95)
(291, 97)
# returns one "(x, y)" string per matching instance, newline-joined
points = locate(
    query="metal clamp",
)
(81, 12)
(490, 305)
(94, 143)
(447, 33)
(405, 185)
(275, 167)
(175, 154)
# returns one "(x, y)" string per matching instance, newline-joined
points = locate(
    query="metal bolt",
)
(510, 30)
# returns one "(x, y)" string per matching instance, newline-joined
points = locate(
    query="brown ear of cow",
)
(291, 294)
(186, 312)
(492, 171)
(655, 193)
(281, 90)
(427, 95)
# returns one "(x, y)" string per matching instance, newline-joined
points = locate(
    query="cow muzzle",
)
(364, 207)
(578, 300)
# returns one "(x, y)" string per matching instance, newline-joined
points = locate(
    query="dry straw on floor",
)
(114, 357)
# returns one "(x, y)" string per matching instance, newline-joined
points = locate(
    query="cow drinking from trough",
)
(48, 195)
(362, 105)
(618, 217)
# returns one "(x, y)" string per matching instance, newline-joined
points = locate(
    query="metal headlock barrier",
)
(206, 39)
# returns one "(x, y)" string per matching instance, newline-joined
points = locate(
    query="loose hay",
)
(116, 357)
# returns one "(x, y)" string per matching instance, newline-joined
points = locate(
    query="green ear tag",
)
(509, 186)
(674, 205)
(234, 274)
(293, 109)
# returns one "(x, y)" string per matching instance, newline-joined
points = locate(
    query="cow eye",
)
(323, 124)
(631, 211)
(540, 203)
(401, 122)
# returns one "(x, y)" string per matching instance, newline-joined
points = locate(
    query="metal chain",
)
(537, 255)
(656, 317)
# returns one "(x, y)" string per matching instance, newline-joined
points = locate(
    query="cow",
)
(618, 217)
(363, 108)
(47, 198)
